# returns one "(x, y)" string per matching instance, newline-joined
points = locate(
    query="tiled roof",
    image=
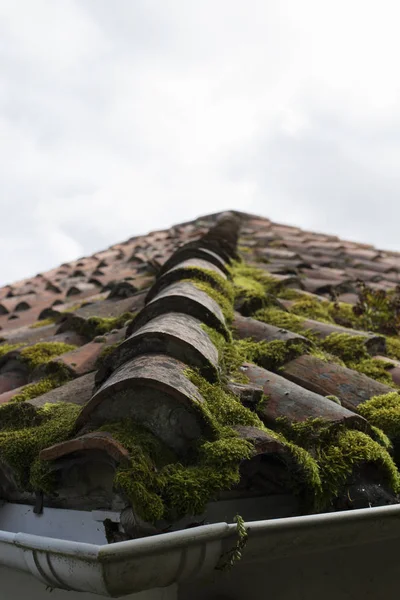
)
(216, 361)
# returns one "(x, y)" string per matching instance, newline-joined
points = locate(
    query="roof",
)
(224, 359)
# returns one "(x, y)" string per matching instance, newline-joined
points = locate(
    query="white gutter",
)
(133, 566)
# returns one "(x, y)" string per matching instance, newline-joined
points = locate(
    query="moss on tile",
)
(220, 299)
(211, 277)
(374, 368)
(6, 348)
(392, 347)
(334, 399)
(379, 436)
(348, 449)
(141, 481)
(350, 348)
(95, 326)
(325, 356)
(33, 390)
(311, 308)
(285, 320)
(107, 350)
(253, 285)
(43, 323)
(26, 430)
(291, 294)
(383, 412)
(343, 314)
(42, 352)
(338, 451)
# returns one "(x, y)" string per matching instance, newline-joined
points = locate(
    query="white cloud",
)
(124, 117)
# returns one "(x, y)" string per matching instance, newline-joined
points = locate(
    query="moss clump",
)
(271, 355)
(43, 352)
(94, 326)
(342, 314)
(337, 452)
(248, 288)
(392, 347)
(6, 348)
(141, 481)
(211, 277)
(290, 294)
(334, 399)
(347, 450)
(269, 283)
(43, 323)
(33, 390)
(374, 368)
(312, 309)
(245, 249)
(285, 320)
(326, 356)
(383, 412)
(253, 287)
(220, 299)
(222, 409)
(105, 353)
(379, 436)
(230, 358)
(25, 431)
(350, 348)
(18, 416)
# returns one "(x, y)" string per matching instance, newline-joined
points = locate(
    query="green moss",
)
(248, 287)
(383, 412)
(21, 441)
(285, 320)
(349, 449)
(326, 356)
(392, 347)
(241, 270)
(211, 277)
(33, 390)
(229, 357)
(253, 287)
(271, 355)
(342, 314)
(220, 299)
(6, 348)
(379, 436)
(94, 326)
(105, 353)
(141, 481)
(43, 323)
(290, 294)
(374, 368)
(222, 409)
(350, 348)
(18, 416)
(337, 452)
(244, 249)
(334, 399)
(43, 352)
(312, 309)
(305, 433)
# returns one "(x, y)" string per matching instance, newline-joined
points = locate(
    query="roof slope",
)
(217, 361)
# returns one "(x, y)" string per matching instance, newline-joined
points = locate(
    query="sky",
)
(118, 118)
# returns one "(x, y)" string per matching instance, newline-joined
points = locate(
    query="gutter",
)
(124, 568)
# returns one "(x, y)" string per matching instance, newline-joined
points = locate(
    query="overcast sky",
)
(121, 117)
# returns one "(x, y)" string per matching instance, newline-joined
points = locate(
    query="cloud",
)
(118, 119)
